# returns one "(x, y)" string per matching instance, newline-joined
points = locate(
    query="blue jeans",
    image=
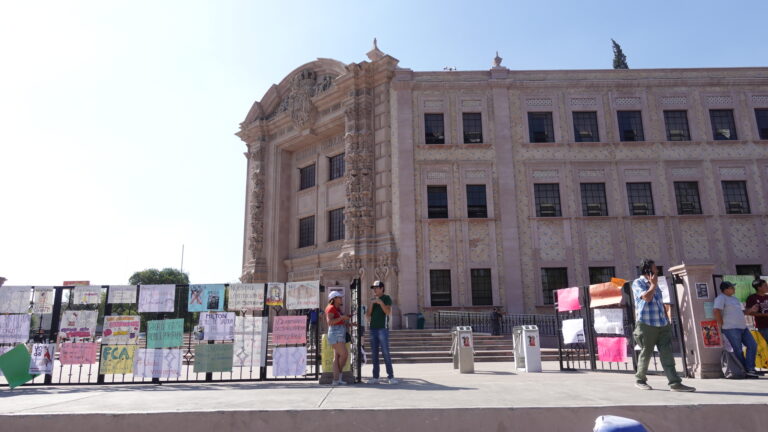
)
(380, 338)
(737, 337)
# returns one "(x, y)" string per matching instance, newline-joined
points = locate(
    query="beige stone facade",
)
(374, 113)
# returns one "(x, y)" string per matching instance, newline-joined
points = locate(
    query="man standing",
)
(653, 328)
(378, 315)
(759, 299)
(730, 318)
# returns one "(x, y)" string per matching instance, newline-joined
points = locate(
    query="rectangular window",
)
(687, 196)
(473, 128)
(761, 115)
(601, 274)
(437, 202)
(440, 287)
(723, 125)
(306, 177)
(640, 199)
(434, 129)
(307, 231)
(553, 279)
(336, 224)
(547, 196)
(755, 270)
(630, 126)
(482, 295)
(677, 125)
(476, 204)
(540, 127)
(585, 126)
(736, 199)
(336, 166)
(593, 202)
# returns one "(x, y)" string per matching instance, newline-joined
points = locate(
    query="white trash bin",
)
(463, 349)
(527, 348)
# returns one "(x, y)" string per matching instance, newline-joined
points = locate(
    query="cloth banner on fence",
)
(157, 363)
(78, 324)
(612, 349)
(609, 321)
(605, 294)
(573, 331)
(568, 299)
(275, 293)
(165, 333)
(121, 330)
(289, 361)
(288, 330)
(206, 298)
(122, 294)
(78, 353)
(117, 359)
(710, 333)
(14, 328)
(15, 366)
(86, 294)
(15, 299)
(157, 298)
(217, 325)
(250, 341)
(302, 295)
(43, 300)
(246, 297)
(213, 357)
(41, 361)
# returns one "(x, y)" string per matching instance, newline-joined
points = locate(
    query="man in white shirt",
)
(731, 320)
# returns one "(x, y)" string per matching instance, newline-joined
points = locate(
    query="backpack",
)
(731, 366)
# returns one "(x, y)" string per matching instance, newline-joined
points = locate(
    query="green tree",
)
(619, 59)
(155, 277)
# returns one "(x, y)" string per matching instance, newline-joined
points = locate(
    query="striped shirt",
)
(651, 313)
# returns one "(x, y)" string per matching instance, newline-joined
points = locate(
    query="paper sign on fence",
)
(568, 299)
(213, 357)
(122, 294)
(3, 350)
(78, 324)
(246, 297)
(664, 288)
(42, 359)
(157, 298)
(218, 325)
(15, 299)
(78, 353)
(289, 361)
(43, 301)
(205, 298)
(86, 294)
(15, 366)
(609, 321)
(121, 330)
(288, 330)
(612, 349)
(250, 341)
(302, 295)
(14, 328)
(117, 359)
(573, 331)
(275, 293)
(157, 363)
(165, 333)
(604, 294)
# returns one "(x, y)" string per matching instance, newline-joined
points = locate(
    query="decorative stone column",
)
(255, 263)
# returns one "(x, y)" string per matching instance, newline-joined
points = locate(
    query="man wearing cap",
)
(378, 315)
(730, 318)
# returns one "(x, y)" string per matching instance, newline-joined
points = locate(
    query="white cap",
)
(334, 294)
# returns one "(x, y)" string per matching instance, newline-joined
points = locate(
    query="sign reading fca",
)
(117, 353)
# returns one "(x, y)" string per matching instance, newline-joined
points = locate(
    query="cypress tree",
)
(619, 59)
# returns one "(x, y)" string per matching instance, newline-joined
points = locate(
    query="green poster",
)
(213, 358)
(743, 286)
(165, 333)
(15, 366)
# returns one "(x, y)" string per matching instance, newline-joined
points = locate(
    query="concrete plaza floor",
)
(429, 397)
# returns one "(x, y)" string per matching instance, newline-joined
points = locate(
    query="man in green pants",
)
(653, 328)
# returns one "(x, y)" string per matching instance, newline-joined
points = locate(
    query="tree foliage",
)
(154, 277)
(619, 59)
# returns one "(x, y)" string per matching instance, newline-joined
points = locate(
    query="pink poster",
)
(568, 299)
(288, 330)
(78, 353)
(612, 349)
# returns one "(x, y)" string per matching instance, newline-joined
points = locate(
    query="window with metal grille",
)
(476, 204)
(440, 287)
(736, 199)
(640, 199)
(593, 201)
(585, 126)
(677, 125)
(306, 177)
(630, 126)
(553, 278)
(437, 202)
(434, 129)
(723, 125)
(601, 274)
(761, 115)
(482, 294)
(547, 196)
(473, 128)
(336, 166)
(336, 224)
(687, 196)
(755, 270)
(306, 231)
(540, 127)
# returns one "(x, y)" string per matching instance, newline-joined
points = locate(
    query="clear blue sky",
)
(117, 117)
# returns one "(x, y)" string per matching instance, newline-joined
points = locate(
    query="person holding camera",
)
(653, 328)
(378, 315)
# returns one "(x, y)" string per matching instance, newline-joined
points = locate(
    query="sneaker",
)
(342, 383)
(392, 380)
(372, 381)
(752, 374)
(680, 387)
(643, 385)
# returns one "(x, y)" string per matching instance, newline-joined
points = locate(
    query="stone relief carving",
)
(256, 202)
(479, 243)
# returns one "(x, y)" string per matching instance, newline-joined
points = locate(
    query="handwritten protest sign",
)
(289, 361)
(122, 294)
(250, 341)
(573, 331)
(288, 330)
(78, 324)
(165, 333)
(43, 301)
(157, 363)
(218, 325)
(15, 299)
(120, 330)
(117, 359)
(78, 353)
(206, 298)
(275, 294)
(609, 321)
(157, 298)
(246, 297)
(14, 328)
(612, 349)
(213, 357)
(568, 299)
(86, 294)
(41, 361)
(302, 295)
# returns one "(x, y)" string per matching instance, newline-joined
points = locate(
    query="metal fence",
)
(486, 322)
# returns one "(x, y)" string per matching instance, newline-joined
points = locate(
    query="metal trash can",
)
(410, 320)
(463, 349)
(527, 348)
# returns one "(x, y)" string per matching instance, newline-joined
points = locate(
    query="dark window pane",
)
(687, 196)
(553, 279)
(755, 270)
(762, 123)
(540, 127)
(601, 274)
(593, 202)
(736, 199)
(473, 128)
(476, 204)
(482, 295)
(336, 166)
(547, 197)
(336, 225)
(307, 231)
(434, 129)
(307, 177)
(630, 126)
(677, 125)
(440, 287)
(640, 199)
(723, 126)
(585, 126)
(437, 202)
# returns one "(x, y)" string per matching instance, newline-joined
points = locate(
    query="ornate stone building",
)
(463, 190)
